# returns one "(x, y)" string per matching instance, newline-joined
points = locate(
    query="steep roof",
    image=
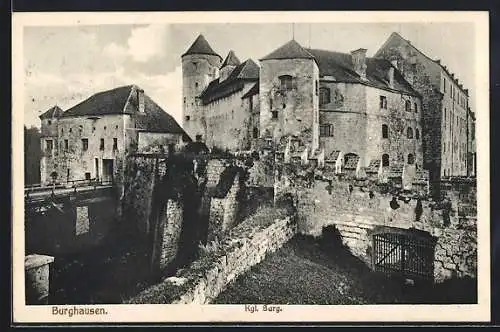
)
(396, 37)
(201, 46)
(231, 60)
(53, 112)
(123, 100)
(340, 66)
(246, 71)
(291, 50)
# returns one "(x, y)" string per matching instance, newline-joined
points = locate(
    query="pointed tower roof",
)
(231, 60)
(201, 46)
(291, 50)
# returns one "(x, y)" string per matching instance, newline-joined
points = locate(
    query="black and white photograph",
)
(259, 165)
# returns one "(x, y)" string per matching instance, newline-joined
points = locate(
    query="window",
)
(70, 130)
(255, 132)
(101, 146)
(196, 84)
(445, 114)
(316, 87)
(383, 102)
(324, 95)
(115, 144)
(250, 103)
(416, 107)
(286, 82)
(408, 106)
(385, 131)
(409, 133)
(62, 131)
(49, 122)
(85, 144)
(417, 134)
(199, 138)
(326, 130)
(116, 127)
(274, 114)
(444, 84)
(48, 145)
(66, 145)
(184, 100)
(105, 127)
(411, 159)
(187, 117)
(87, 176)
(385, 160)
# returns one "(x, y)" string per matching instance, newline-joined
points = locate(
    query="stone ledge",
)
(34, 261)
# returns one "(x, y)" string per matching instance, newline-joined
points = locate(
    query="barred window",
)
(326, 130)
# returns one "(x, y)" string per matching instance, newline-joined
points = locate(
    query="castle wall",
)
(228, 121)
(347, 114)
(297, 109)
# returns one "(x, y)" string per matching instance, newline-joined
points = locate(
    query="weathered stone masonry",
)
(244, 246)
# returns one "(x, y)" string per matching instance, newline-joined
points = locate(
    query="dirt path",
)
(308, 271)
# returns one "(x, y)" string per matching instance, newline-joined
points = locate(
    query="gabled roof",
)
(340, 66)
(291, 50)
(107, 102)
(246, 71)
(201, 46)
(124, 100)
(51, 113)
(231, 60)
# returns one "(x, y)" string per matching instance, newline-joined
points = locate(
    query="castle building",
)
(325, 102)
(92, 139)
(448, 123)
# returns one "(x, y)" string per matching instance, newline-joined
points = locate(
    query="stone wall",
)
(357, 211)
(244, 246)
(171, 226)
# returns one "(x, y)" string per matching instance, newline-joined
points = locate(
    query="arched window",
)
(416, 107)
(385, 160)
(409, 133)
(286, 82)
(417, 134)
(411, 159)
(385, 131)
(408, 106)
(324, 95)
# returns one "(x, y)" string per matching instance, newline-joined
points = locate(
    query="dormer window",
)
(286, 82)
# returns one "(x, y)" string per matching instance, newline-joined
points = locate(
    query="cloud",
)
(44, 90)
(148, 42)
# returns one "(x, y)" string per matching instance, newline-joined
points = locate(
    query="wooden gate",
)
(405, 253)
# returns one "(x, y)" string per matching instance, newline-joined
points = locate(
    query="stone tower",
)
(289, 95)
(200, 66)
(49, 144)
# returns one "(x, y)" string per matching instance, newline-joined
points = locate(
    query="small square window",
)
(274, 114)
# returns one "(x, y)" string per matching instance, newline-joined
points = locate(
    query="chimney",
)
(359, 61)
(140, 100)
(391, 76)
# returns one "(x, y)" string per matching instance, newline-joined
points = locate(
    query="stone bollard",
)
(36, 269)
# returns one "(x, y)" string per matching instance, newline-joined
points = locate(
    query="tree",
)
(32, 155)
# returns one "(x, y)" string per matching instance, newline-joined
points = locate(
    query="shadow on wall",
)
(380, 288)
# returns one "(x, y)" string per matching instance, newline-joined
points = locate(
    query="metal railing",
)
(67, 187)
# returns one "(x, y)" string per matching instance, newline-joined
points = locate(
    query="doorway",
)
(107, 170)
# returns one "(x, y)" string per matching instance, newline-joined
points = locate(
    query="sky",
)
(64, 65)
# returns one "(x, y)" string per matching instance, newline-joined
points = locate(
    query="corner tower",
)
(200, 66)
(289, 95)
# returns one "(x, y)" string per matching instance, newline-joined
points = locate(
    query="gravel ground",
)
(309, 271)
